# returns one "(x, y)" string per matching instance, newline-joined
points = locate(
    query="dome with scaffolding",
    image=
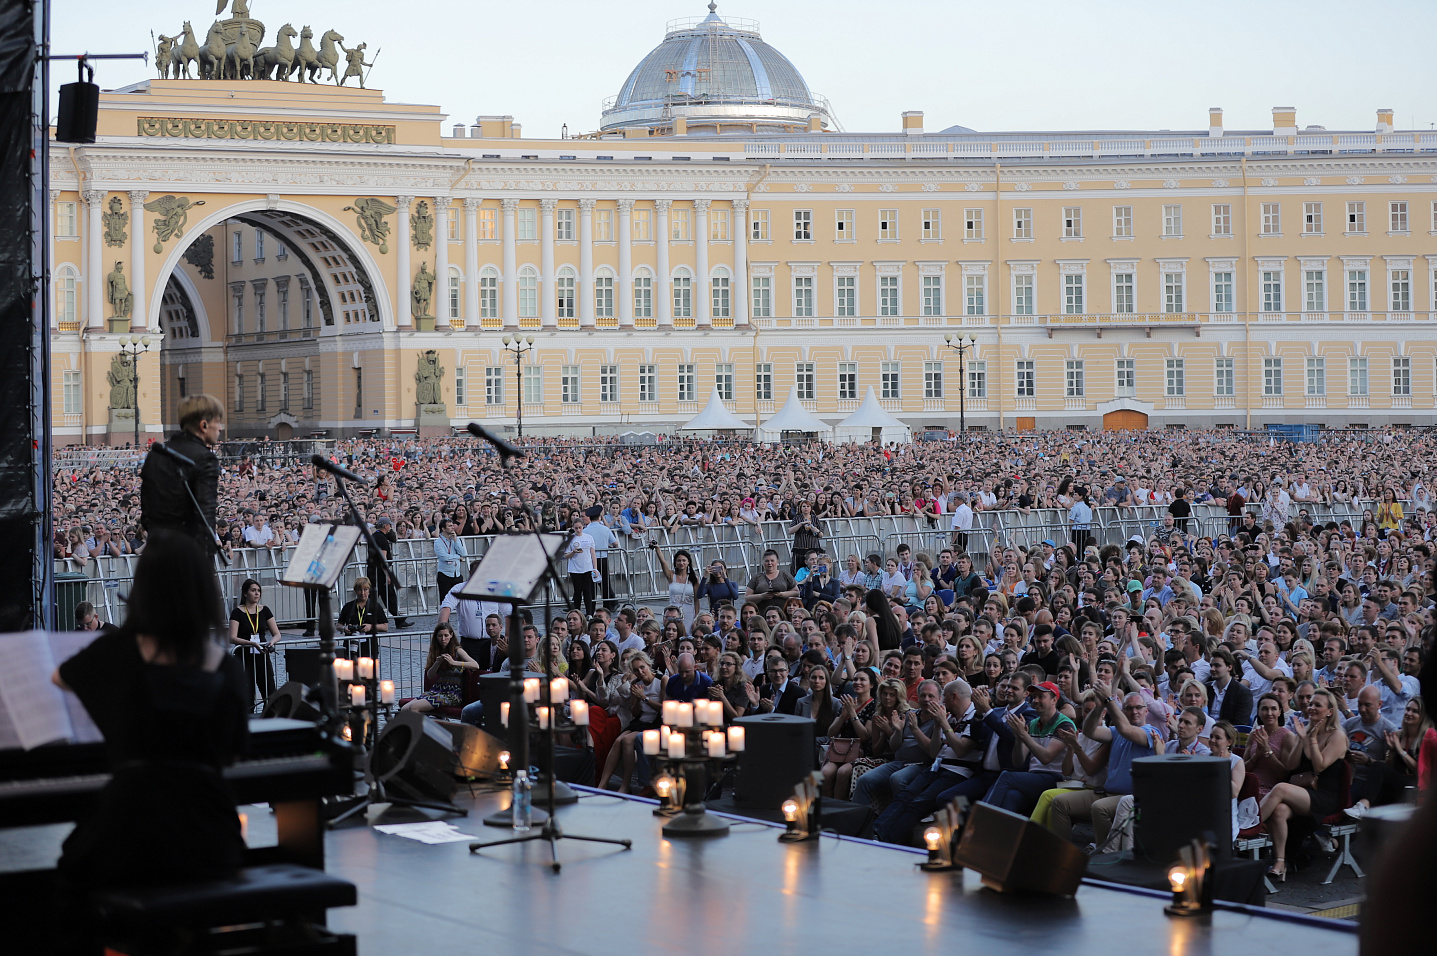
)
(716, 75)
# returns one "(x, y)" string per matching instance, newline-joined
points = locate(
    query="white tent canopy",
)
(868, 418)
(793, 417)
(715, 417)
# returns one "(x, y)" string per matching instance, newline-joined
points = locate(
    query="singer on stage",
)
(163, 501)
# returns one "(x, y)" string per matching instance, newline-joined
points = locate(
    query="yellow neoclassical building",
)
(334, 263)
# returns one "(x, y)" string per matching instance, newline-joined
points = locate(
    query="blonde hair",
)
(895, 685)
(361, 583)
(197, 408)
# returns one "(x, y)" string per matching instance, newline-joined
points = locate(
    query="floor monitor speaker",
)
(289, 701)
(1014, 854)
(414, 758)
(779, 751)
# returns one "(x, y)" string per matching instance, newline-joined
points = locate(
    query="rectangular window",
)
(973, 223)
(975, 295)
(762, 297)
(1356, 290)
(258, 245)
(569, 385)
(846, 296)
(1023, 295)
(933, 295)
(238, 253)
(888, 224)
(309, 388)
(1072, 222)
(679, 230)
(494, 385)
(1073, 294)
(1271, 291)
(683, 297)
(1222, 293)
(803, 296)
(1126, 381)
(718, 225)
(1173, 293)
(639, 219)
(284, 391)
(1123, 222)
(604, 297)
(1397, 216)
(933, 380)
(1272, 376)
(803, 376)
(528, 295)
(282, 290)
(526, 223)
(643, 297)
(259, 307)
(932, 224)
(763, 382)
(603, 225)
(978, 380)
(1401, 375)
(1401, 290)
(306, 303)
(67, 221)
(609, 384)
(1312, 218)
(803, 224)
(888, 299)
(758, 225)
(1073, 386)
(1314, 290)
(1316, 375)
(1123, 294)
(688, 384)
(73, 394)
(461, 387)
(648, 383)
(1022, 224)
(1357, 217)
(1176, 377)
(534, 385)
(486, 224)
(358, 393)
(67, 297)
(1025, 379)
(489, 297)
(719, 286)
(1271, 219)
(889, 375)
(1357, 375)
(723, 381)
(1434, 215)
(564, 295)
(1221, 219)
(847, 381)
(239, 392)
(260, 397)
(1225, 376)
(563, 224)
(1173, 220)
(843, 225)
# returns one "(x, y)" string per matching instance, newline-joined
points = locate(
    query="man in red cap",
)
(1018, 790)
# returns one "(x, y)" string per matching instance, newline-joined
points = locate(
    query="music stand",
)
(511, 572)
(317, 563)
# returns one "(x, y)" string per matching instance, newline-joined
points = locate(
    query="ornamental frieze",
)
(292, 131)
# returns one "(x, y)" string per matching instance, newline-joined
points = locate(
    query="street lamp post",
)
(133, 345)
(965, 344)
(518, 346)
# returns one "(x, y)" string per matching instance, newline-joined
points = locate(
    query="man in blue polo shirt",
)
(689, 684)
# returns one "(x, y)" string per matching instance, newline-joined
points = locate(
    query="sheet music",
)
(35, 708)
(512, 566)
(320, 555)
(63, 646)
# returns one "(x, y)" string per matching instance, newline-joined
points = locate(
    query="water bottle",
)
(523, 802)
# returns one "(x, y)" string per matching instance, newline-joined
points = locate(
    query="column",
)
(703, 291)
(586, 263)
(441, 261)
(663, 295)
(626, 263)
(510, 264)
(95, 270)
(471, 262)
(50, 291)
(740, 262)
(547, 296)
(139, 313)
(402, 316)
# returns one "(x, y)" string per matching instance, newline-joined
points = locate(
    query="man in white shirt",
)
(604, 539)
(624, 634)
(962, 523)
(582, 564)
(259, 534)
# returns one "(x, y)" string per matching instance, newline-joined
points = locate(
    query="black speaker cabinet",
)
(779, 751)
(493, 691)
(289, 702)
(1178, 797)
(79, 113)
(1014, 854)
(414, 758)
(477, 751)
(302, 664)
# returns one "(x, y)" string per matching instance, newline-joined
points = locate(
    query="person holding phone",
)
(717, 587)
(819, 585)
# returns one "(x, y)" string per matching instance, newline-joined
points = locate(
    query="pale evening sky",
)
(1039, 65)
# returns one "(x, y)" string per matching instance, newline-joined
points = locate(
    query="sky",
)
(1039, 65)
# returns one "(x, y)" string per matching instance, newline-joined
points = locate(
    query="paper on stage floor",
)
(33, 711)
(433, 831)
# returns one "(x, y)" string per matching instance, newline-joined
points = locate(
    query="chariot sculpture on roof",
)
(233, 50)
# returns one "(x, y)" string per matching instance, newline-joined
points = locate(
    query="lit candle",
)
(531, 690)
(685, 715)
(386, 692)
(344, 669)
(579, 710)
(366, 668)
(716, 743)
(701, 713)
(543, 714)
(651, 742)
(504, 713)
(244, 826)
(664, 732)
(735, 739)
(356, 695)
(503, 760)
(715, 710)
(559, 689)
(671, 712)
(676, 745)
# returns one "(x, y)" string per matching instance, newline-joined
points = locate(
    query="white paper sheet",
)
(35, 708)
(434, 831)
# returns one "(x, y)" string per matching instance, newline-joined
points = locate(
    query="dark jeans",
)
(1018, 790)
(446, 584)
(311, 607)
(918, 799)
(259, 669)
(1378, 783)
(385, 591)
(973, 788)
(582, 588)
(605, 592)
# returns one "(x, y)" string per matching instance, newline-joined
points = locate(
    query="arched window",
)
(721, 288)
(564, 285)
(643, 294)
(488, 293)
(604, 294)
(67, 283)
(683, 294)
(528, 293)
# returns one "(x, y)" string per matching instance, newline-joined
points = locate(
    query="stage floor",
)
(745, 892)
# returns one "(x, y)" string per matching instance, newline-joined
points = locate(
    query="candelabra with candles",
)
(366, 696)
(690, 743)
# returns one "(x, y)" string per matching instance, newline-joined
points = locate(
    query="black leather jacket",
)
(163, 502)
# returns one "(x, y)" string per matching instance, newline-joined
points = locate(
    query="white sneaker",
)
(1324, 843)
(1357, 811)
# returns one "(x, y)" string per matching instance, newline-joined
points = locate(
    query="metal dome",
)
(715, 73)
